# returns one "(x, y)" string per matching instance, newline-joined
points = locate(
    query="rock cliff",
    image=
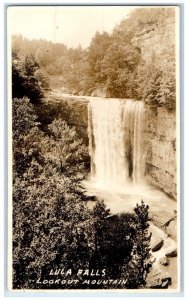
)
(156, 41)
(160, 129)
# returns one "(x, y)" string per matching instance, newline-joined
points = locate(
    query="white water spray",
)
(116, 143)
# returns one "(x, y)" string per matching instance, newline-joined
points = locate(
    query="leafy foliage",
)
(119, 66)
(141, 264)
(155, 83)
(46, 199)
(24, 78)
(52, 224)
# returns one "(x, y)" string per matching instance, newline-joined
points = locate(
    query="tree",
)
(141, 262)
(24, 80)
(122, 244)
(156, 83)
(118, 67)
(96, 52)
(25, 130)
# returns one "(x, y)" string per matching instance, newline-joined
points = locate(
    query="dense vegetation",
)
(115, 63)
(53, 228)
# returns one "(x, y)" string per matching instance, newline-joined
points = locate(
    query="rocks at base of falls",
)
(171, 252)
(162, 274)
(170, 229)
(158, 279)
(158, 240)
(166, 221)
(164, 261)
(157, 244)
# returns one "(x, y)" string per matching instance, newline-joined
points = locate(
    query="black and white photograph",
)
(94, 148)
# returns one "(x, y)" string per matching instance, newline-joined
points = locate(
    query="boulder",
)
(170, 229)
(158, 279)
(171, 252)
(164, 261)
(165, 284)
(157, 244)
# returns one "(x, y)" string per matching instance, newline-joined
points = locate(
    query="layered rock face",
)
(156, 41)
(160, 129)
(73, 109)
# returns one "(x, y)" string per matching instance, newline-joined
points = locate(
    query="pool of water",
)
(120, 200)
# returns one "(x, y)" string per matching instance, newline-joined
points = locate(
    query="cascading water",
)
(135, 110)
(116, 143)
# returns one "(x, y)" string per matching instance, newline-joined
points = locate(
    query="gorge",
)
(157, 137)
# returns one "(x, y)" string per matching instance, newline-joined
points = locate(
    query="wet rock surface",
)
(164, 270)
(158, 279)
(157, 244)
(164, 261)
(171, 252)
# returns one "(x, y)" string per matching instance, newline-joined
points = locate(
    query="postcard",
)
(94, 148)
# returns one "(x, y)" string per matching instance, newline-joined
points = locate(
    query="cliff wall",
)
(161, 149)
(156, 42)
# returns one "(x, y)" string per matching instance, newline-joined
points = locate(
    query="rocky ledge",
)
(164, 252)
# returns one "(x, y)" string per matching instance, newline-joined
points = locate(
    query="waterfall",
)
(116, 143)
